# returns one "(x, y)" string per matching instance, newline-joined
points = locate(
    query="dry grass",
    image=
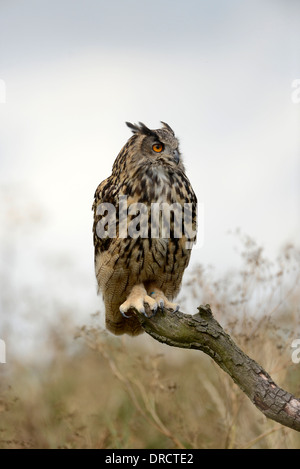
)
(136, 393)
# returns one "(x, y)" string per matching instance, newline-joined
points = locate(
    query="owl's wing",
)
(188, 198)
(104, 208)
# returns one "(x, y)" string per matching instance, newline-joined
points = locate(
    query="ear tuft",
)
(133, 127)
(141, 129)
(166, 126)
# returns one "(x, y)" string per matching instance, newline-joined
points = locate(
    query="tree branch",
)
(203, 332)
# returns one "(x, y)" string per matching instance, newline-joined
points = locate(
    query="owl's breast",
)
(158, 183)
(161, 185)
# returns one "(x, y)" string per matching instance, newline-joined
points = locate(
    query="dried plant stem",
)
(154, 419)
(260, 437)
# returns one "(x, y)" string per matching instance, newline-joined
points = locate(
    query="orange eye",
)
(158, 147)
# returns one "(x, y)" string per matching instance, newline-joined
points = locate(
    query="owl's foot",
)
(136, 299)
(163, 301)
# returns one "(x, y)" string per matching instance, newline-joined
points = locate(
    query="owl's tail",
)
(119, 325)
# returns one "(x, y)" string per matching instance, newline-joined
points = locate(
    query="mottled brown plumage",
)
(133, 271)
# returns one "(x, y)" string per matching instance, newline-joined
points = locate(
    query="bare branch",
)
(202, 332)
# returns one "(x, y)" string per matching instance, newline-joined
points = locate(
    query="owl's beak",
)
(176, 156)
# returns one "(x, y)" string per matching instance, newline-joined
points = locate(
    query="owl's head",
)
(160, 145)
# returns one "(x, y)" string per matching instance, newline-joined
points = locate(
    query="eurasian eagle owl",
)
(144, 228)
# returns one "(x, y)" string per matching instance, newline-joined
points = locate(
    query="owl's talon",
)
(162, 300)
(136, 300)
(146, 315)
(154, 312)
(124, 315)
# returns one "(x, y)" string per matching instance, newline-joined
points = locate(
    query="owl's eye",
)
(158, 147)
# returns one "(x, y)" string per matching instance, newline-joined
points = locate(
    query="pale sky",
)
(219, 72)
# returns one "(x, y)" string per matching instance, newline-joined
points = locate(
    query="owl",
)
(144, 228)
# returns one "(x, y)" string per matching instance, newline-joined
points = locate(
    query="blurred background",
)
(71, 73)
